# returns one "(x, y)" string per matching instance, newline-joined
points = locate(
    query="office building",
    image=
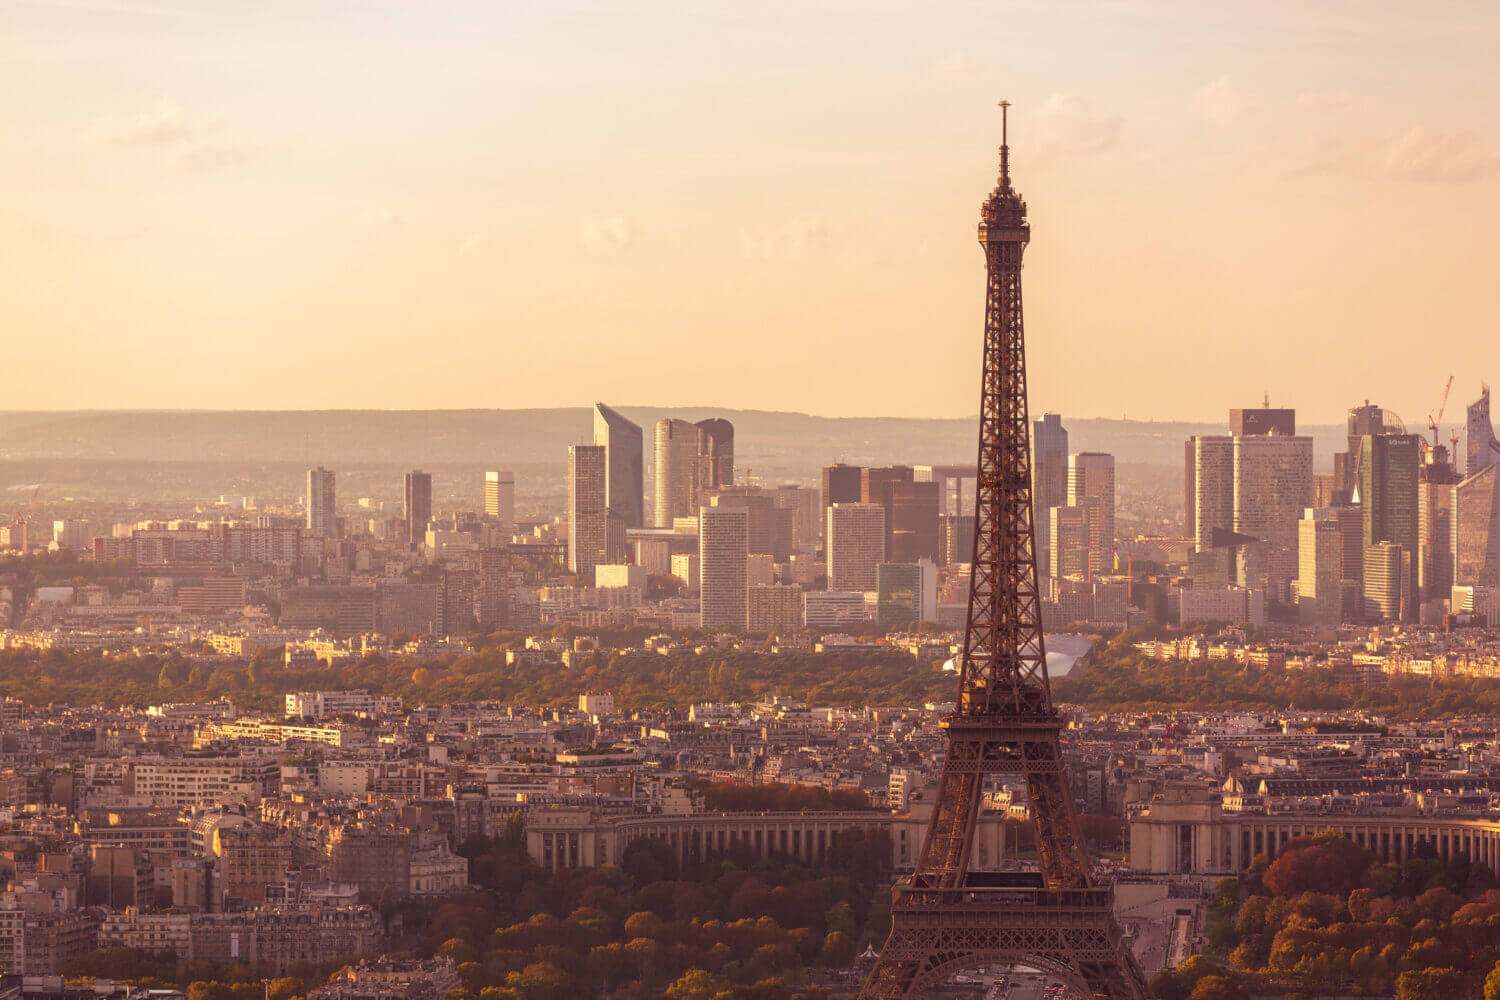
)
(1388, 582)
(322, 514)
(775, 607)
(623, 462)
(685, 568)
(679, 479)
(1387, 472)
(1091, 486)
(842, 484)
(906, 593)
(1476, 529)
(716, 453)
(1436, 484)
(1049, 480)
(500, 501)
(912, 522)
(723, 554)
(834, 608)
(1069, 531)
(856, 545)
(588, 511)
(1330, 565)
(955, 483)
(958, 541)
(760, 506)
(1483, 449)
(1256, 485)
(807, 516)
(1262, 421)
(417, 508)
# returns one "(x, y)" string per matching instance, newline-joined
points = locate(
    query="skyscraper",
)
(716, 454)
(678, 482)
(418, 505)
(1262, 420)
(856, 545)
(1483, 448)
(1069, 530)
(841, 484)
(1091, 485)
(322, 513)
(911, 511)
(588, 512)
(1387, 475)
(1049, 480)
(1436, 483)
(759, 506)
(1476, 529)
(1254, 484)
(1329, 566)
(623, 481)
(500, 500)
(723, 556)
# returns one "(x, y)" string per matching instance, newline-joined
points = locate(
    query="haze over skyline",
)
(336, 205)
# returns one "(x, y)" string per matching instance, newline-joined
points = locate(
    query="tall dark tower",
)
(945, 918)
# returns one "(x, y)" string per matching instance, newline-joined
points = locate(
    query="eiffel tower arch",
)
(945, 918)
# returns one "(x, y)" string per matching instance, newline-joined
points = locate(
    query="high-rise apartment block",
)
(623, 459)
(775, 607)
(856, 545)
(723, 551)
(418, 505)
(588, 510)
(322, 512)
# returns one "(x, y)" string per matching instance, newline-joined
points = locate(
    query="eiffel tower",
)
(945, 918)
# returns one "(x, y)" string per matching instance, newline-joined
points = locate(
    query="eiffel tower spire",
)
(945, 918)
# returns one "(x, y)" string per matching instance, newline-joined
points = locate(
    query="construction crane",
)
(1432, 424)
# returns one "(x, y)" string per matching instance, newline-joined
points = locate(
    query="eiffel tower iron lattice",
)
(945, 918)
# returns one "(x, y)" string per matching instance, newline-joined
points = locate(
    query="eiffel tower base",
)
(1005, 919)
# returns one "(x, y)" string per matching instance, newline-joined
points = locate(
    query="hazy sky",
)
(497, 203)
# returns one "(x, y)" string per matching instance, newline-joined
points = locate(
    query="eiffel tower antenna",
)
(944, 917)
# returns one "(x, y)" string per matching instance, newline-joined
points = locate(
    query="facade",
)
(1272, 486)
(417, 505)
(322, 513)
(775, 607)
(1261, 421)
(500, 501)
(1330, 565)
(1230, 605)
(588, 509)
(1213, 487)
(624, 465)
(723, 554)
(1388, 582)
(856, 545)
(1436, 483)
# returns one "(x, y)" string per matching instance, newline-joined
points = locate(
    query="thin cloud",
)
(1068, 125)
(601, 234)
(205, 158)
(793, 239)
(1421, 155)
(1439, 156)
(1223, 103)
(166, 123)
(951, 64)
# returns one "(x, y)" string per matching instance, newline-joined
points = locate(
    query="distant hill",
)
(771, 442)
